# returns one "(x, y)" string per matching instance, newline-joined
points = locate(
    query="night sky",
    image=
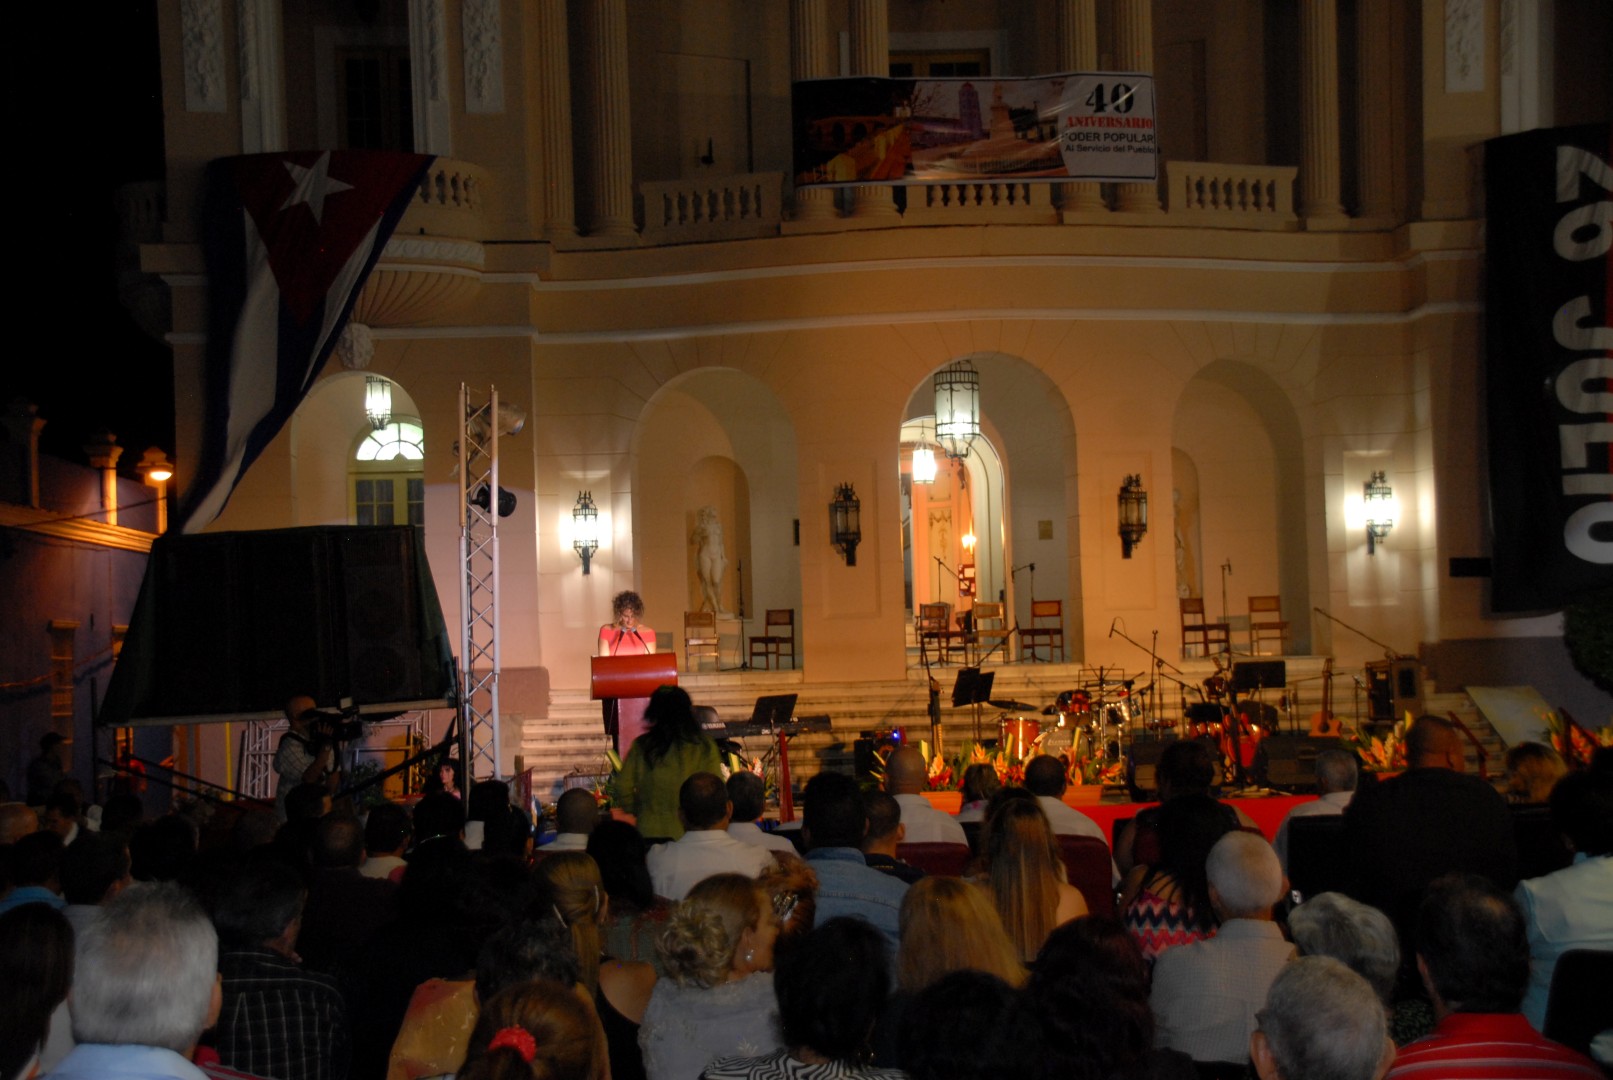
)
(87, 114)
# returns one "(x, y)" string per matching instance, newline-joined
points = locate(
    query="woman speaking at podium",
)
(624, 635)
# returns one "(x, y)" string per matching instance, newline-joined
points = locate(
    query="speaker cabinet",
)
(1142, 763)
(1289, 761)
(1394, 688)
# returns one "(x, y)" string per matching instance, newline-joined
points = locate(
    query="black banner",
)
(1550, 356)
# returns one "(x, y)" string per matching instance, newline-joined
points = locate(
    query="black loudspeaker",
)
(1394, 688)
(1289, 761)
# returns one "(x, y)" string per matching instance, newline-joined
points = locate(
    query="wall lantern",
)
(377, 401)
(957, 407)
(585, 528)
(845, 523)
(1133, 514)
(157, 470)
(1377, 499)
(923, 465)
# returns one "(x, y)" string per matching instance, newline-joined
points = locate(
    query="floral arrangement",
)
(1569, 738)
(1383, 754)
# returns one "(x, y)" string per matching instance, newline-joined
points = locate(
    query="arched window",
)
(387, 475)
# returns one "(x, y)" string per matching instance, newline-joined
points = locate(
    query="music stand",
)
(1250, 675)
(772, 711)
(971, 687)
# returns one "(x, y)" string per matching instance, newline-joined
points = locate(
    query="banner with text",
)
(1077, 126)
(1550, 355)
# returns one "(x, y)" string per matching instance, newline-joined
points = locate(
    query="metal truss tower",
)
(479, 496)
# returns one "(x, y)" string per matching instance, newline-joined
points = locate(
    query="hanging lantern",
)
(378, 401)
(957, 407)
(923, 465)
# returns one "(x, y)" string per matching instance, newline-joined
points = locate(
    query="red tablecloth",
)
(1267, 812)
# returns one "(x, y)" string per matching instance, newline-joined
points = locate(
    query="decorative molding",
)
(428, 61)
(1464, 46)
(484, 57)
(263, 93)
(356, 346)
(462, 252)
(201, 24)
(80, 530)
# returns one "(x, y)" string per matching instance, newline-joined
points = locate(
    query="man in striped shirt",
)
(1474, 961)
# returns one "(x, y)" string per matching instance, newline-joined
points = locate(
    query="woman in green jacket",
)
(659, 761)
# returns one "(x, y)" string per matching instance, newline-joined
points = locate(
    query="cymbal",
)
(1008, 705)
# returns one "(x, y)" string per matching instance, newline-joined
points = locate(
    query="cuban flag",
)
(289, 240)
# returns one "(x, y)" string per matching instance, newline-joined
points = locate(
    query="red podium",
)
(632, 676)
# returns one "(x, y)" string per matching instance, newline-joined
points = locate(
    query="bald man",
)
(906, 775)
(1430, 820)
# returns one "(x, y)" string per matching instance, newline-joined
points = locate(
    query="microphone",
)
(1228, 565)
(1033, 568)
(1112, 625)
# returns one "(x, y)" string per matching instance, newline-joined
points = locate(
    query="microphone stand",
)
(739, 592)
(1016, 630)
(1388, 653)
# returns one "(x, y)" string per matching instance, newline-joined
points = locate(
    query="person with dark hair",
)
(969, 1025)
(95, 868)
(1572, 908)
(538, 1030)
(1473, 957)
(833, 824)
(488, 812)
(748, 794)
(1023, 872)
(46, 770)
(705, 848)
(1431, 820)
(1168, 903)
(387, 833)
(277, 1019)
(1046, 778)
(829, 992)
(301, 757)
(36, 971)
(1185, 767)
(980, 783)
(885, 833)
(438, 817)
(62, 814)
(576, 813)
(668, 753)
(1089, 991)
(122, 813)
(36, 872)
(637, 915)
(162, 850)
(625, 635)
(344, 908)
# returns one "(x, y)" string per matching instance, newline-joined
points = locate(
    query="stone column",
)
(610, 157)
(554, 119)
(1375, 56)
(1078, 51)
(871, 55)
(1319, 202)
(811, 58)
(1134, 51)
(103, 451)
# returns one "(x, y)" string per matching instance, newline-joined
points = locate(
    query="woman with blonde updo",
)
(717, 1000)
(538, 1030)
(570, 890)
(1024, 873)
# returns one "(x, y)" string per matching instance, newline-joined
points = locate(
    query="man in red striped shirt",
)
(1474, 960)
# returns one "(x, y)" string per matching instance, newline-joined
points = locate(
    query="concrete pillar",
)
(1374, 105)
(1319, 202)
(811, 58)
(103, 451)
(554, 118)
(871, 55)
(1078, 51)
(1134, 51)
(610, 160)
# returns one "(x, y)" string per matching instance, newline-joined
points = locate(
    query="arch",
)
(1238, 463)
(1026, 460)
(326, 430)
(716, 437)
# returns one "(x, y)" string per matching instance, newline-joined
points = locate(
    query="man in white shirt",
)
(1336, 777)
(575, 814)
(748, 795)
(906, 774)
(705, 848)
(1046, 779)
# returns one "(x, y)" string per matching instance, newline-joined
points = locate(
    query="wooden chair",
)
(778, 638)
(1087, 867)
(1210, 637)
(1317, 859)
(991, 628)
(1266, 623)
(935, 626)
(937, 857)
(700, 638)
(1046, 629)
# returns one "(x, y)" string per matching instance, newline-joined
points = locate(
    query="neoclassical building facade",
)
(610, 237)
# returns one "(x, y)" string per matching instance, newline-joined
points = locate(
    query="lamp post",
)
(156, 470)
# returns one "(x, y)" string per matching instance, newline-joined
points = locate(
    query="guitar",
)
(1323, 722)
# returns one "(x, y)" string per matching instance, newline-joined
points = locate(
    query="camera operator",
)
(302, 757)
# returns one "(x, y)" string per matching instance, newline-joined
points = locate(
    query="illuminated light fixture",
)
(1377, 500)
(1133, 514)
(923, 465)
(378, 401)
(506, 501)
(157, 470)
(585, 528)
(845, 523)
(957, 407)
(969, 541)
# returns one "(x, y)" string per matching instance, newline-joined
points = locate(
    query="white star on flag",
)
(313, 185)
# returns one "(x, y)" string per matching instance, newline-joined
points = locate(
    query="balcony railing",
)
(1231, 196)
(712, 208)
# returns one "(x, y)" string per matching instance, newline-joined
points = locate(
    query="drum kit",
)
(1096, 718)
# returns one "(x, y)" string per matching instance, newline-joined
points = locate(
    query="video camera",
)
(335, 725)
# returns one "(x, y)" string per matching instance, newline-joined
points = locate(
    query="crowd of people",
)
(405, 945)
